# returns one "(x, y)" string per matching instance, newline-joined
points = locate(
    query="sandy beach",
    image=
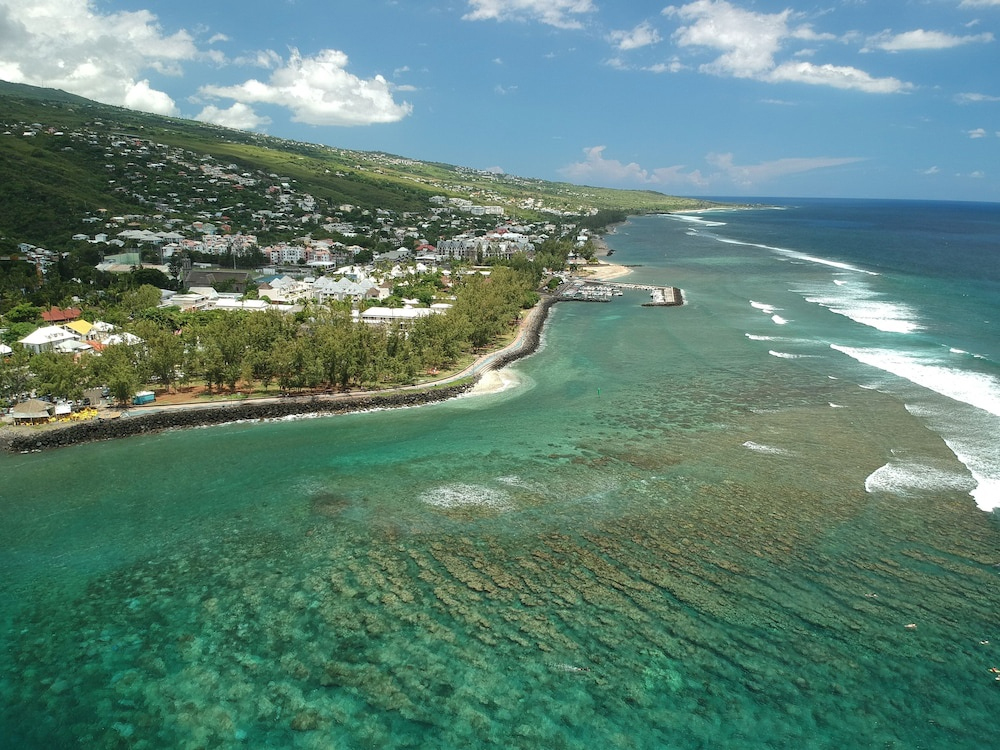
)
(603, 270)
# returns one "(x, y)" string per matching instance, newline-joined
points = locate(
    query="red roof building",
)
(56, 315)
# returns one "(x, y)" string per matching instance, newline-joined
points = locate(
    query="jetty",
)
(605, 291)
(589, 291)
(667, 296)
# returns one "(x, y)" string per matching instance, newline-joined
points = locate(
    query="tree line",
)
(321, 347)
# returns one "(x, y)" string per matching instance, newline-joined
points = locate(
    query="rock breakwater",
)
(30, 440)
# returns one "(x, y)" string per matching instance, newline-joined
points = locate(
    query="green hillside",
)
(57, 167)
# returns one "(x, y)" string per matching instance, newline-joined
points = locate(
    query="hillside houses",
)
(501, 244)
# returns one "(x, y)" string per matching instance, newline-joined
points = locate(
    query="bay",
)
(762, 519)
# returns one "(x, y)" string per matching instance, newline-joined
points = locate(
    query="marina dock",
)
(605, 291)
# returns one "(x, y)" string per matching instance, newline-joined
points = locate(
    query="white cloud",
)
(749, 42)
(931, 171)
(674, 66)
(72, 45)
(979, 4)
(642, 35)
(559, 13)
(837, 76)
(595, 169)
(266, 58)
(977, 133)
(140, 96)
(920, 39)
(973, 98)
(319, 91)
(754, 174)
(239, 116)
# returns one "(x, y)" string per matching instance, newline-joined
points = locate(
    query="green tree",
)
(57, 375)
(164, 351)
(135, 301)
(15, 377)
(23, 313)
(123, 368)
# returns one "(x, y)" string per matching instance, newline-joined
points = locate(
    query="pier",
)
(605, 291)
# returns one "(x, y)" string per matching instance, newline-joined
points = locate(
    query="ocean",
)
(765, 519)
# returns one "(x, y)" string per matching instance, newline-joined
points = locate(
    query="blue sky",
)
(849, 98)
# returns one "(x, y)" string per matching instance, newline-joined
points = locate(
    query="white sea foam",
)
(837, 406)
(761, 448)
(787, 355)
(976, 389)
(778, 320)
(822, 261)
(800, 256)
(461, 495)
(981, 457)
(696, 220)
(764, 307)
(968, 422)
(755, 337)
(862, 304)
(907, 477)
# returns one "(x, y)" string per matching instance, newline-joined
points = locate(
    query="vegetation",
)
(51, 181)
(74, 169)
(321, 348)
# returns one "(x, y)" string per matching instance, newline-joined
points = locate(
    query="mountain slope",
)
(58, 163)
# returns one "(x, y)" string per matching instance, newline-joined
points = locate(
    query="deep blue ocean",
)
(760, 520)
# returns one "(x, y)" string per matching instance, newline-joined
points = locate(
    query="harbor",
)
(605, 291)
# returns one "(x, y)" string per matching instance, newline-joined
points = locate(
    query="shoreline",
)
(186, 415)
(603, 270)
(13, 440)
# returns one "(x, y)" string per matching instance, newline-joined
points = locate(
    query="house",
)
(33, 411)
(81, 327)
(55, 315)
(395, 317)
(235, 281)
(52, 339)
(327, 288)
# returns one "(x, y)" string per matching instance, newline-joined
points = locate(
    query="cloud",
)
(979, 4)
(749, 42)
(71, 45)
(977, 133)
(973, 98)
(595, 169)
(673, 66)
(145, 99)
(836, 76)
(239, 116)
(754, 174)
(920, 39)
(931, 171)
(559, 13)
(319, 91)
(642, 35)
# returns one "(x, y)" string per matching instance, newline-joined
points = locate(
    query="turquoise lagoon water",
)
(702, 527)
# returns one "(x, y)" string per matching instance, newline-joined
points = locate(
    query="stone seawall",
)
(140, 424)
